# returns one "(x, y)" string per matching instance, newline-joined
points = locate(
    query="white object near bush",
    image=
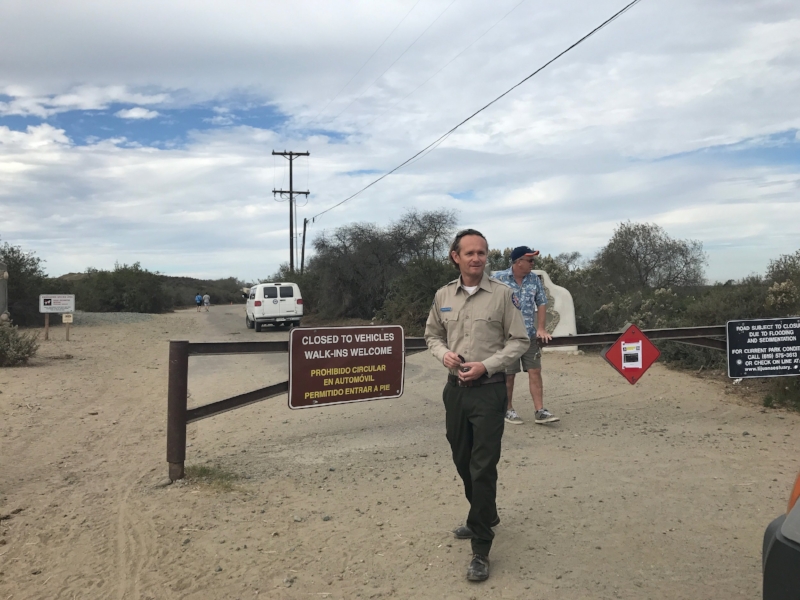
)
(560, 310)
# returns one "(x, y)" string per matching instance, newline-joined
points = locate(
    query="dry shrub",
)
(17, 348)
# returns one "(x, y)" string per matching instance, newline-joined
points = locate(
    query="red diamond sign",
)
(632, 354)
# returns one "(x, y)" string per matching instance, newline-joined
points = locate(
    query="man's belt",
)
(482, 380)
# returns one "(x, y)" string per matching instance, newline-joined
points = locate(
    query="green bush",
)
(180, 291)
(128, 288)
(784, 391)
(25, 282)
(411, 294)
(16, 348)
(716, 305)
(355, 267)
(643, 255)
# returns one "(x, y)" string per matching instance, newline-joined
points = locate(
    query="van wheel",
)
(247, 321)
(257, 325)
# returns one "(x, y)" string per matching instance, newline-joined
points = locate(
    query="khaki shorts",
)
(532, 359)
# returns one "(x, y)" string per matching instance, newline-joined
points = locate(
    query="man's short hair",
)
(456, 245)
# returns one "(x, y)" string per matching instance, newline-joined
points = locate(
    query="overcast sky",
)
(143, 131)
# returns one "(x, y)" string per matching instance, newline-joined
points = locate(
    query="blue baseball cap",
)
(521, 251)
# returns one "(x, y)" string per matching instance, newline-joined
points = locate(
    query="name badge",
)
(445, 309)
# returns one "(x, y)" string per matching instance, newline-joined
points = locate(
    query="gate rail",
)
(695, 336)
(179, 415)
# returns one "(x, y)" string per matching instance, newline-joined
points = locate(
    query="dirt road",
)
(660, 490)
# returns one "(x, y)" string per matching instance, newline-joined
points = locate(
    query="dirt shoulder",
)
(659, 490)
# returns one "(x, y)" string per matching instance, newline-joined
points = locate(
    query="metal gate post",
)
(177, 401)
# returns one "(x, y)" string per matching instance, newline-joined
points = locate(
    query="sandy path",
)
(650, 491)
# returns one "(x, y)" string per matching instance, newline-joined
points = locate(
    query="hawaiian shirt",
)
(530, 295)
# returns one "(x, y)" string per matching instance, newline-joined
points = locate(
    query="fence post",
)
(176, 407)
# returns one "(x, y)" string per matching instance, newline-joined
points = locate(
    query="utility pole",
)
(291, 156)
(303, 247)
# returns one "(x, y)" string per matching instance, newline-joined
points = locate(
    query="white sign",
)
(57, 303)
(66, 318)
(631, 355)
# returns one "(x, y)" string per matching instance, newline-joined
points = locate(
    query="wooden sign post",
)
(67, 320)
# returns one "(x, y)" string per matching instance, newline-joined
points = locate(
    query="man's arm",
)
(541, 313)
(435, 332)
(541, 329)
(516, 336)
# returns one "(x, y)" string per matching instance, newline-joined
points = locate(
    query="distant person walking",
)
(533, 303)
(198, 299)
(475, 330)
(206, 301)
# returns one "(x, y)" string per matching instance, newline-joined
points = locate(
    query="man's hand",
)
(451, 360)
(476, 369)
(542, 337)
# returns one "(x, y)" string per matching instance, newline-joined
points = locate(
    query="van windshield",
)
(270, 292)
(287, 291)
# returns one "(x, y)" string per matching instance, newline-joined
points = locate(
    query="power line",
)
(472, 43)
(395, 61)
(367, 61)
(438, 141)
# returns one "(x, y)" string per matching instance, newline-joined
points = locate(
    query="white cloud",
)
(556, 164)
(136, 113)
(27, 102)
(35, 138)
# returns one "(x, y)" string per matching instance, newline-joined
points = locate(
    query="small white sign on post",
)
(57, 303)
(66, 318)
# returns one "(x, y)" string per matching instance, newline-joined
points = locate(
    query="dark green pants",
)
(475, 421)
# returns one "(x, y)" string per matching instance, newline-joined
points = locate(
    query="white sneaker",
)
(513, 418)
(545, 416)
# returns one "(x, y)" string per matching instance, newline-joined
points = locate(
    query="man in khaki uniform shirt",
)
(475, 329)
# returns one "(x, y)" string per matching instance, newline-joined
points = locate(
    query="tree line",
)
(390, 274)
(125, 288)
(642, 276)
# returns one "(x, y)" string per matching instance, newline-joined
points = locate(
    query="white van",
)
(276, 303)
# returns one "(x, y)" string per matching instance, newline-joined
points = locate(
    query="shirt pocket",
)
(488, 329)
(449, 320)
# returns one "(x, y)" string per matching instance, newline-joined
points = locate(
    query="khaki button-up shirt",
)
(483, 327)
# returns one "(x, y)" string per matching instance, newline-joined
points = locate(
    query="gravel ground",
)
(109, 318)
(657, 491)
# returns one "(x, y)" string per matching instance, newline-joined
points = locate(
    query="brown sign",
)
(339, 365)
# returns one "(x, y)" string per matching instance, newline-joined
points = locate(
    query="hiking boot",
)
(465, 533)
(513, 418)
(545, 416)
(478, 568)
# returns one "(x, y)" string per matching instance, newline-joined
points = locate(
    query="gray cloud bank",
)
(680, 113)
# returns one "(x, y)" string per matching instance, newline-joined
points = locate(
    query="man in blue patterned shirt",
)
(532, 299)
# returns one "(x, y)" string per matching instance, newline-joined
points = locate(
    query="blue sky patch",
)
(169, 128)
(781, 148)
(360, 172)
(467, 195)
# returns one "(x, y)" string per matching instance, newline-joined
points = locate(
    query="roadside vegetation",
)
(126, 288)
(16, 347)
(641, 276)
(389, 274)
